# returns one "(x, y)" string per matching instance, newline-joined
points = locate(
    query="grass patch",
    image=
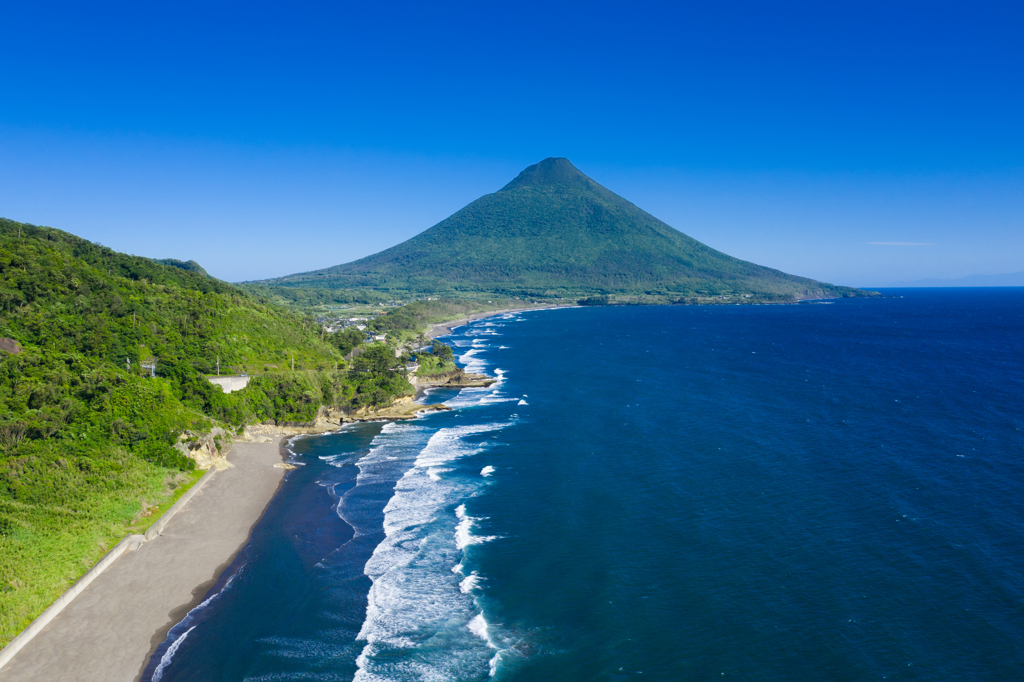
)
(182, 483)
(431, 365)
(45, 548)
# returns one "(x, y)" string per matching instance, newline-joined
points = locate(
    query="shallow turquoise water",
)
(822, 491)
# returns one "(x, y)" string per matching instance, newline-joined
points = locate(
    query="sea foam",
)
(415, 598)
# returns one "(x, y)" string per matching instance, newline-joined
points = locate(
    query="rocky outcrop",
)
(401, 408)
(456, 378)
(331, 419)
(10, 345)
(207, 449)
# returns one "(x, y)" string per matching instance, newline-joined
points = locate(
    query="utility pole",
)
(218, 365)
(293, 362)
(128, 365)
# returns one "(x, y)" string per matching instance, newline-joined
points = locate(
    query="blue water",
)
(826, 491)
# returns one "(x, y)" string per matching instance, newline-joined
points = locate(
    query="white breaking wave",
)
(469, 583)
(414, 600)
(522, 402)
(478, 626)
(471, 363)
(423, 619)
(481, 628)
(464, 529)
(468, 397)
(168, 656)
(392, 451)
(494, 395)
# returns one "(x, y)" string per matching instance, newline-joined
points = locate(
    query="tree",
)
(346, 340)
(378, 360)
(442, 351)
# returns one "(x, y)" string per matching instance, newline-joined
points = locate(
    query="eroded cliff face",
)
(207, 449)
(456, 377)
(331, 419)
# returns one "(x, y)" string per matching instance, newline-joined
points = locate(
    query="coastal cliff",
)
(455, 378)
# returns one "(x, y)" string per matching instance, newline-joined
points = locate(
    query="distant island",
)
(554, 232)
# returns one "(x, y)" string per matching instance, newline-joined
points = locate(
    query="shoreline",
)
(445, 328)
(200, 592)
(114, 626)
(97, 637)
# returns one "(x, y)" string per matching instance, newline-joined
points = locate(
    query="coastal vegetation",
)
(314, 296)
(555, 233)
(414, 319)
(105, 357)
(103, 376)
(437, 359)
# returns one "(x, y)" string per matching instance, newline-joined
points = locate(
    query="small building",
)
(230, 383)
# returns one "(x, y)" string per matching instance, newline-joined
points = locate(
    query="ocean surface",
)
(823, 491)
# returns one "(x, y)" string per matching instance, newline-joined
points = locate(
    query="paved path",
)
(109, 631)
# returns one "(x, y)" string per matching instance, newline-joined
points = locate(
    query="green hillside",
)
(190, 265)
(87, 437)
(554, 231)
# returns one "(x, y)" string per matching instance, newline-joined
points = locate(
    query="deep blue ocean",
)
(823, 491)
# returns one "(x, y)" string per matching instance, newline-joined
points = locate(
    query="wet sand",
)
(109, 632)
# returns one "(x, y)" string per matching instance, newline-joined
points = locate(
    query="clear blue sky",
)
(859, 143)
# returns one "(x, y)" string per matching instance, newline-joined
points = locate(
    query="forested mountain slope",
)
(554, 231)
(86, 436)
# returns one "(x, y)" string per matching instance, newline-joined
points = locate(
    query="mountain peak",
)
(550, 173)
(553, 232)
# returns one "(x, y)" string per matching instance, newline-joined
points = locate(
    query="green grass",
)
(154, 513)
(46, 547)
(86, 438)
(429, 365)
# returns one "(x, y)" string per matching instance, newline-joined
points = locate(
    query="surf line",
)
(427, 534)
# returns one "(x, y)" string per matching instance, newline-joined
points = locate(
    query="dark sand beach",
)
(109, 632)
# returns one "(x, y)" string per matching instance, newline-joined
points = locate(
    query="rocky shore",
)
(456, 378)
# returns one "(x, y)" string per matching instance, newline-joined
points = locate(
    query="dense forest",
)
(88, 435)
(313, 296)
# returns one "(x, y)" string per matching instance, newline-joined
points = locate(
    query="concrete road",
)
(109, 631)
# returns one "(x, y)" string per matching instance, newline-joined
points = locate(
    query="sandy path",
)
(109, 631)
